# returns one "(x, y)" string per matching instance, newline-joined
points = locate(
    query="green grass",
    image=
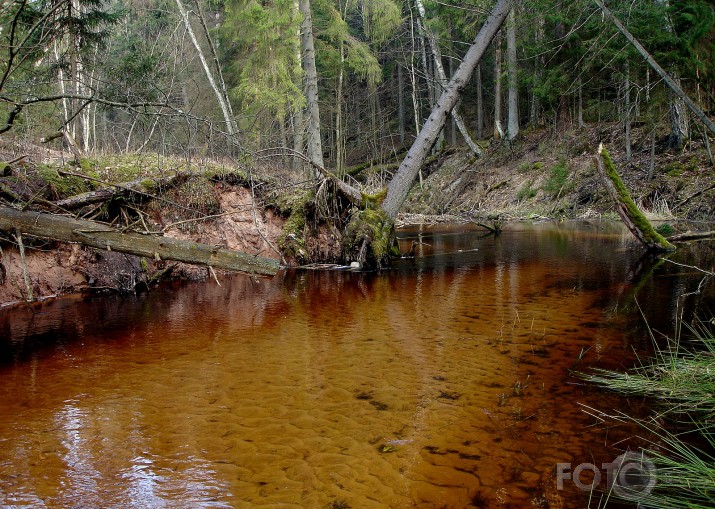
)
(557, 180)
(680, 380)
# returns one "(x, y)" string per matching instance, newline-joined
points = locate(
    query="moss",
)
(292, 239)
(373, 201)
(665, 229)
(639, 220)
(62, 186)
(557, 180)
(148, 184)
(677, 168)
(373, 226)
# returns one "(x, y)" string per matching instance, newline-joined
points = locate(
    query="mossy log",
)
(101, 236)
(142, 186)
(633, 218)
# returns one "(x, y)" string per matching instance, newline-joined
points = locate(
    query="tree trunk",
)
(401, 183)
(627, 111)
(678, 123)
(513, 121)
(220, 97)
(339, 113)
(672, 84)
(442, 76)
(480, 103)
(498, 129)
(538, 74)
(581, 123)
(315, 148)
(137, 187)
(633, 218)
(297, 119)
(100, 236)
(400, 104)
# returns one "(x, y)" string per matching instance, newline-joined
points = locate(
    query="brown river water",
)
(444, 382)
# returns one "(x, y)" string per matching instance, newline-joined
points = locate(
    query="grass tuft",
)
(681, 382)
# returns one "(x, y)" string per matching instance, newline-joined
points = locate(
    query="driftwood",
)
(633, 218)
(101, 236)
(688, 236)
(143, 186)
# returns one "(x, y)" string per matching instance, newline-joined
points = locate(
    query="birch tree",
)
(221, 96)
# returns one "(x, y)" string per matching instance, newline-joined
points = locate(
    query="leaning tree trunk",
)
(672, 84)
(401, 183)
(633, 218)
(442, 77)
(220, 97)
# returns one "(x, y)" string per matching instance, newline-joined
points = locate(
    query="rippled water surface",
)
(444, 382)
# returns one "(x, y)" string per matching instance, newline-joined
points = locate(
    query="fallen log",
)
(143, 186)
(101, 236)
(633, 218)
(688, 236)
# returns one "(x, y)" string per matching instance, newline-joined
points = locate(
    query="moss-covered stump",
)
(292, 240)
(633, 218)
(369, 239)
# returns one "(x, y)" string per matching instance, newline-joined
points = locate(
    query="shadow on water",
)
(444, 382)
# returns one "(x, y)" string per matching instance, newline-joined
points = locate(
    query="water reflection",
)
(443, 382)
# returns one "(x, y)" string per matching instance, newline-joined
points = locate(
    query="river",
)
(446, 381)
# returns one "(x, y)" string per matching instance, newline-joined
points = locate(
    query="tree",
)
(315, 147)
(32, 30)
(513, 102)
(217, 85)
(402, 181)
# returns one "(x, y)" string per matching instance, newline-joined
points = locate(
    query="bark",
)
(672, 84)
(100, 236)
(498, 130)
(678, 123)
(400, 104)
(297, 119)
(401, 183)
(315, 148)
(633, 218)
(627, 111)
(220, 97)
(480, 103)
(513, 101)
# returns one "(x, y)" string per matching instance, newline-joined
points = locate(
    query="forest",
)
(341, 83)
(485, 153)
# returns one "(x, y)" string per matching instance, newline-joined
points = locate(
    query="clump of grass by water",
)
(681, 381)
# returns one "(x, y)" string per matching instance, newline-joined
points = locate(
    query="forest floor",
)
(258, 208)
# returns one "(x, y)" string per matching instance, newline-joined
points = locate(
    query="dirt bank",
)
(231, 216)
(547, 175)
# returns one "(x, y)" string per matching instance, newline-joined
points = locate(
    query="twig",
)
(213, 273)
(708, 272)
(694, 195)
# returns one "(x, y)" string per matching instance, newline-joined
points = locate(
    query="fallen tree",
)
(369, 234)
(633, 218)
(142, 186)
(100, 236)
